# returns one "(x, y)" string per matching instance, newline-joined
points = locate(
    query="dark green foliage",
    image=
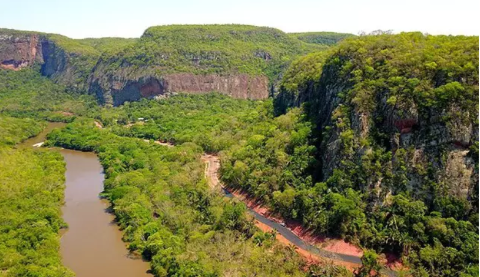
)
(272, 163)
(325, 38)
(167, 212)
(370, 92)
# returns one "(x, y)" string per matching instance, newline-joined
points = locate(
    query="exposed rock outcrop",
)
(119, 77)
(19, 51)
(386, 119)
(117, 91)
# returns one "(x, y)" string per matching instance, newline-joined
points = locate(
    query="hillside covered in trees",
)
(323, 38)
(373, 140)
(238, 60)
(397, 142)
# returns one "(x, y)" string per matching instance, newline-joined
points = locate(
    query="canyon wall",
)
(387, 125)
(20, 51)
(116, 91)
(236, 60)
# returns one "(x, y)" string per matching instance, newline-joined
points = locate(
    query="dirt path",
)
(98, 125)
(212, 165)
(167, 144)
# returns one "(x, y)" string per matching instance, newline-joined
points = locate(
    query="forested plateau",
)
(370, 139)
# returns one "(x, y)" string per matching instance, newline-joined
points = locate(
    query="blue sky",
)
(127, 18)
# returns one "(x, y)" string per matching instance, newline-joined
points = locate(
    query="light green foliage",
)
(302, 75)
(213, 121)
(370, 265)
(219, 49)
(109, 44)
(14, 130)
(169, 215)
(27, 94)
(429, 71)
(31, 194)
(304, 70)
(324, 38)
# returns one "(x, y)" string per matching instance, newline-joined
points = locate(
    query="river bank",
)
(92, 245)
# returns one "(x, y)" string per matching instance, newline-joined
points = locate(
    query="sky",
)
(129, 18)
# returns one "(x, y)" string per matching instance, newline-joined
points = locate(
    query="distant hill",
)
(323, 38)
(238, 60)
(65, 60)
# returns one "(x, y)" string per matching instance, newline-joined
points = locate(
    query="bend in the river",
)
(92, 246)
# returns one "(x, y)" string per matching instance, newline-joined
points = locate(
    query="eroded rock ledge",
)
(241, 86)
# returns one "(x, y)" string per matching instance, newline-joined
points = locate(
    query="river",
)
(92, 245)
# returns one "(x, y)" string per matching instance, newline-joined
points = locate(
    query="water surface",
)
(92, 245)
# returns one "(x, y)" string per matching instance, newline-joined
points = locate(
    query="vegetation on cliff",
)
(221, 49)
(394, 112)
(31, 194)
(303, 74)
(376, 142)
(324, 38)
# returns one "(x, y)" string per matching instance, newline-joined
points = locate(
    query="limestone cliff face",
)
(79, 68)
(19, 51)
(115, 91)
(386, 137)
(25, 49)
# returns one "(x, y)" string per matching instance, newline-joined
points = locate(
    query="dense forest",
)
(163, 204)
(160, 196)
(396, 116)
(325, 38)
(209, 49)
(372, 139)
(31, 194)
(27, 94)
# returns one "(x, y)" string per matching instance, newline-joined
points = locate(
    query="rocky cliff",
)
(64, 60)
(237, 60)
(397, 114)
(239, 86)
(19, 51)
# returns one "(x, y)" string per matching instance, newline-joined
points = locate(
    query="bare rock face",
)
(240, 86)
(23, 49)
(458, 174)
(115, 91)
(85, 71)
(19, 51)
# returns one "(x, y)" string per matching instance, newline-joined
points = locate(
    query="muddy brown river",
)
(92, 245)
